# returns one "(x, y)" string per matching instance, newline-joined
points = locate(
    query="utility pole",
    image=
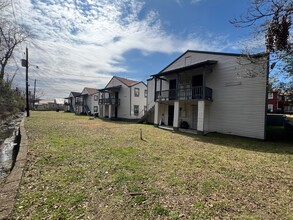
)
(35, 92)
(26, 79)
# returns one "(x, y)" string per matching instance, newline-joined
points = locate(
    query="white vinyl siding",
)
(128, 99)
(239, 102)
(140, 100)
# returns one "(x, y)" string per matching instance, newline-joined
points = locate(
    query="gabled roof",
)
(90, 91)
(75, 94)
(114, 88)
(185, 68)
(127, 82)
(215, 53)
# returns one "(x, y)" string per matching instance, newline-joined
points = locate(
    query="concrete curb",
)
(9, 191)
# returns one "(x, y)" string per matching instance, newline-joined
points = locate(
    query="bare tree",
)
(273, 18)
(11, 36)
(4, 4)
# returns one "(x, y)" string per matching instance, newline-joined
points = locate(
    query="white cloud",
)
(179, 2)
(195, 1)
(82, 43)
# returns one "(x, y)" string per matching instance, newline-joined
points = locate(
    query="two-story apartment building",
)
(87, 102)
(211, 92)
(69, 105)
(123, 98)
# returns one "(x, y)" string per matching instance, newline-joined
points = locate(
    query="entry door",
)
(197, 80)
(170, 115)
(194, 116)
(172, 88)
(197, 83)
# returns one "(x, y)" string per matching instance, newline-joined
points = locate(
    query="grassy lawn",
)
(94, 169)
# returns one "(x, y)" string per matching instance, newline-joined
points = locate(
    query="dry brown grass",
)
(95, 169)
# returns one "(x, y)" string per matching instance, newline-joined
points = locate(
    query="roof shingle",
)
(127, 82)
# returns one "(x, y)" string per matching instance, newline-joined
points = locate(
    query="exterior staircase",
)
(146, 115)
(87, 110)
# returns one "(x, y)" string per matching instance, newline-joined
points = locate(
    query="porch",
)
(183, 130)
(186, 116)
(109, 101)
(194, 93)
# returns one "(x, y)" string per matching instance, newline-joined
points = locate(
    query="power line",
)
(13, 10)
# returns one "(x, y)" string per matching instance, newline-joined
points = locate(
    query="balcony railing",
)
(194, 93)
(109, 101)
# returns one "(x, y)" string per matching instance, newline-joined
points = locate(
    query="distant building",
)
(69, 105)
(123, 98)
(280, 102)
(49, 105)
(87, 102)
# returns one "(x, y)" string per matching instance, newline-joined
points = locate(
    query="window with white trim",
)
(270, 108)
(136, 92)
(270, 95)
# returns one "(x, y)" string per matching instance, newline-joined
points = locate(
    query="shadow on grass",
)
(279, 141)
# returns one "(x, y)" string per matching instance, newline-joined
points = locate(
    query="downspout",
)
(266, 97)
(204, 96)
(161, 85)
(130, 101)
(204, 83)
(155, 88)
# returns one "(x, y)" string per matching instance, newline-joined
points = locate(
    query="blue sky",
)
(83, 43)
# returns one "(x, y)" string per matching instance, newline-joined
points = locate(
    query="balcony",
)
(194, 93)
(109, 101)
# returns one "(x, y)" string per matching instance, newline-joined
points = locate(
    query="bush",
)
(11, 100)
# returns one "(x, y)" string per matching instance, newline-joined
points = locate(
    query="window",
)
(96, 98)
(136, 92)
(270, 108)
(145, 93)
(136, 110)
(270, 95)
(145, 109)
(96, 108)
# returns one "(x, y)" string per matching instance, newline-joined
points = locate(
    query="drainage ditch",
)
(9, 144)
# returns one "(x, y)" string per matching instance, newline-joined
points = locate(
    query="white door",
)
(194, 116)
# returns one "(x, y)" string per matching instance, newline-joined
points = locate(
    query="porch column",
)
(100, 111)
(156, 117)
(155, 96)
(102, 115)
(176, 116)
(110, 111)
(204, 83)
(200, 117)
